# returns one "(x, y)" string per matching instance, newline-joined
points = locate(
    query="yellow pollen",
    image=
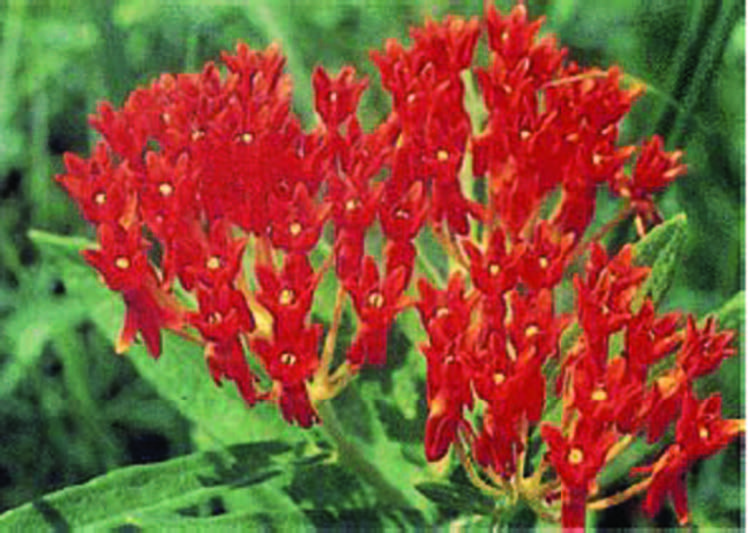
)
(441, 311)
(246, 137)
(703, 433)
(400, 141)
(442, 155)
(165, 189)
(575, 456)
(286, 297)
(597, 159)
(543, 262)
(166, 117)
(572, 137)
(197, 135)
(215, 318)
(531, 330)
(288, 359)
(352, 204)
(666, 383)
(100, 198)
(294, 229)
(599, 395)
(213, 263)
(376, 300)
(524, 135)
(505, 36)
(494, 269)
(333, 97)
(123, 263)
(411, 98)
(498, 378)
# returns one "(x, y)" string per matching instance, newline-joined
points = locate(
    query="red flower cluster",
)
(194, 167)
(198, 175)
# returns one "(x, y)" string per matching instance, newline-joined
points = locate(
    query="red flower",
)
(543, 260)
(703, 351)
(296, 224)
(98, 186)
(492, 271)
(215, 260)
(125, 268)
(655, 169)
(701, 431)
(577, 460)
(376, 302)
(287, 296)
(223, 316)
(649, 339)
(448, 394)
(336, 98)
(444, 314)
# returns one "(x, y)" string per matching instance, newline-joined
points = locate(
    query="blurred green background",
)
(70, 409)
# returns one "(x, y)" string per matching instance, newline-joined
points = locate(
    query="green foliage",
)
(187, 492)
(70, 409)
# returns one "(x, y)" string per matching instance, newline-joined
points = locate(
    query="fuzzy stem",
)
(352, 457)
(321, 388)
(619, 497)
(472, 474)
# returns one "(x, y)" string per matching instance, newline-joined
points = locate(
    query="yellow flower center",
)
(376, 300)
(352, 204)
(123, 263)
(213, 263)
(599, 395)
(288, 359)
(499, 378)
(197, 135)
(576, 456)
(286, 297)
(100, 198)
(703, 433)
(442, 155)
(165, 189)
(246, 137)
(215, 317)
(294, 229)
(494, 269)
(543, 262)
(531, 330)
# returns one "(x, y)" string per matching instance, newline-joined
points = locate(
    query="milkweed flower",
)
(206, 186)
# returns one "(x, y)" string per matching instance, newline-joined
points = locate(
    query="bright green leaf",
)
(137, 495)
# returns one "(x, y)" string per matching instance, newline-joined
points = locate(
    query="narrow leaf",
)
(133, 495)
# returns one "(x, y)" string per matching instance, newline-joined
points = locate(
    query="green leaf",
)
(732, 314)
(662, 250)
(462, 498)
(160, 494)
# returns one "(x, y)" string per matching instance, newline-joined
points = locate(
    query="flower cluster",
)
(211, 201)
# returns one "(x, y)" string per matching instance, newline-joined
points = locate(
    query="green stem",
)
(353, 458)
